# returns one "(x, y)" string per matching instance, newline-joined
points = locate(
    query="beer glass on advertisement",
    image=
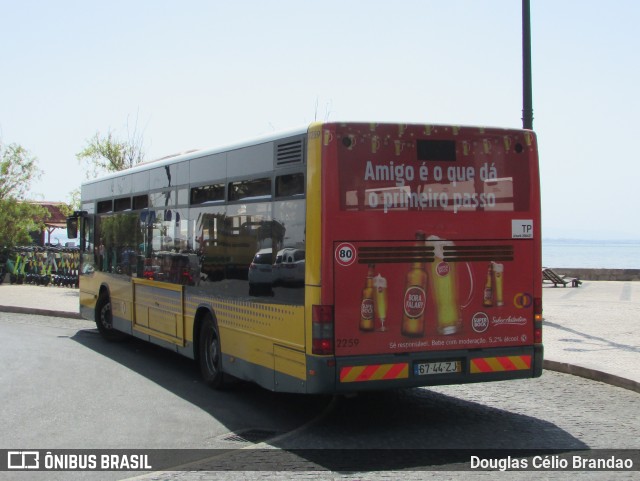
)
(328, 137)
(444, 289)
(498, 270)
(375, 144)
(380, 298)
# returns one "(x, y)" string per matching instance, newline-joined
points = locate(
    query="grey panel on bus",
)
(211, 167)
(88, 191)
(89, 207)
(122, 186)
(162, 177)
(104, 189)
(182, 174)
(141, 182)
(250, 160)
(183, 196)
(165, 198)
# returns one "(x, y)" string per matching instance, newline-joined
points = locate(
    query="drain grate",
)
(249, 436)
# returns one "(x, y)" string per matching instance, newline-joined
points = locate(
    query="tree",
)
(74, 201)
(107, 153)
(18, 168)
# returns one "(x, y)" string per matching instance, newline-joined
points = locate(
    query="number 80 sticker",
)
(345, 254)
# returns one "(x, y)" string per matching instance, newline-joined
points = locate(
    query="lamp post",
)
(527, 100)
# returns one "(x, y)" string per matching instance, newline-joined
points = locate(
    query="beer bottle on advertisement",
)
(498, 270)
(415, 296)
(366, 305)
(487, 298)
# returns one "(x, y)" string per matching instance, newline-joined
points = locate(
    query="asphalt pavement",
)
(591, 331)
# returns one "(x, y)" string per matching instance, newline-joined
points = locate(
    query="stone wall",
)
(600, 274)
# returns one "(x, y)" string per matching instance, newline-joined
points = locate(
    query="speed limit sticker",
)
(345, 254)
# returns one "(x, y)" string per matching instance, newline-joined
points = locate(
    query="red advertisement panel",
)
(432, 294)
(434, 239)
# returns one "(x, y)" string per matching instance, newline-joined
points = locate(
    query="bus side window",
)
(289, 185)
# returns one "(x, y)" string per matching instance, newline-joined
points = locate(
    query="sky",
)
(192, 74)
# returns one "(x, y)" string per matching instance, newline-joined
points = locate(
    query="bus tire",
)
(209, 354)
(104, 320)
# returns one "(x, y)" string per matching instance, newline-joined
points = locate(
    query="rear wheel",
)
(210, 356)
(104, 320)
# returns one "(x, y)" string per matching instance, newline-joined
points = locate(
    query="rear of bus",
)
(423, 256)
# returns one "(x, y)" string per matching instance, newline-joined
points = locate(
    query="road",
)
(64, 387)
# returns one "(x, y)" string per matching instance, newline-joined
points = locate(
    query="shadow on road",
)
(236, 407)
(404, 429)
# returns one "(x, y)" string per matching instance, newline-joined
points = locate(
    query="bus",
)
(338, 258)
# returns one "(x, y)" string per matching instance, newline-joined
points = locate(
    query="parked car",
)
(288, 267)
(261, 272)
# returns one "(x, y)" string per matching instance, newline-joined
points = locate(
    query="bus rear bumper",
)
(407, 370)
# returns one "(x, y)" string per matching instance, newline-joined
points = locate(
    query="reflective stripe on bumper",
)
(499, 364)
(374, 372)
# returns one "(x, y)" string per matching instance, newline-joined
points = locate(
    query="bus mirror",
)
(72, 227)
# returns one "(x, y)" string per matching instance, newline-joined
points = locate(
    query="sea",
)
(591, 254)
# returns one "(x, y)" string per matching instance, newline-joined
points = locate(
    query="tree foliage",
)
(18, 168)
(74, 202)
(107, 153)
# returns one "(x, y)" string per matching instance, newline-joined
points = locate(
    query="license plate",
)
(440, 367)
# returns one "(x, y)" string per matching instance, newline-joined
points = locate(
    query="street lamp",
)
(527, 101)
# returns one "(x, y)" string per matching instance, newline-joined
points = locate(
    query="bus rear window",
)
(443, 150)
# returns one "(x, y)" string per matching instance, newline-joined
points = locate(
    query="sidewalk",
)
(45, 301)
(591, 331)
(594, 331)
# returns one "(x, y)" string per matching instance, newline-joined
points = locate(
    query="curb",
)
(40, 312)
(591, 374)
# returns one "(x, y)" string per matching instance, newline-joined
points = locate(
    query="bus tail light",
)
(322, 329)
(537, 318)
(537, 309)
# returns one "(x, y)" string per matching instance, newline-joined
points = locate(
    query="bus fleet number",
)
(351, 342)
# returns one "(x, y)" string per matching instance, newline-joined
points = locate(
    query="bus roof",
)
(195, 154)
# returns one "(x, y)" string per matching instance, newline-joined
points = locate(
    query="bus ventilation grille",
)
(395, 254)
(406, 254)
(478, 253)
(289, 153)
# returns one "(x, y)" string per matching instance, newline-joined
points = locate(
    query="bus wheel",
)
(104, 320)
(210, 355)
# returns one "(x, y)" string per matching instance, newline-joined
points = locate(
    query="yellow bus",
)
(340, 257)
